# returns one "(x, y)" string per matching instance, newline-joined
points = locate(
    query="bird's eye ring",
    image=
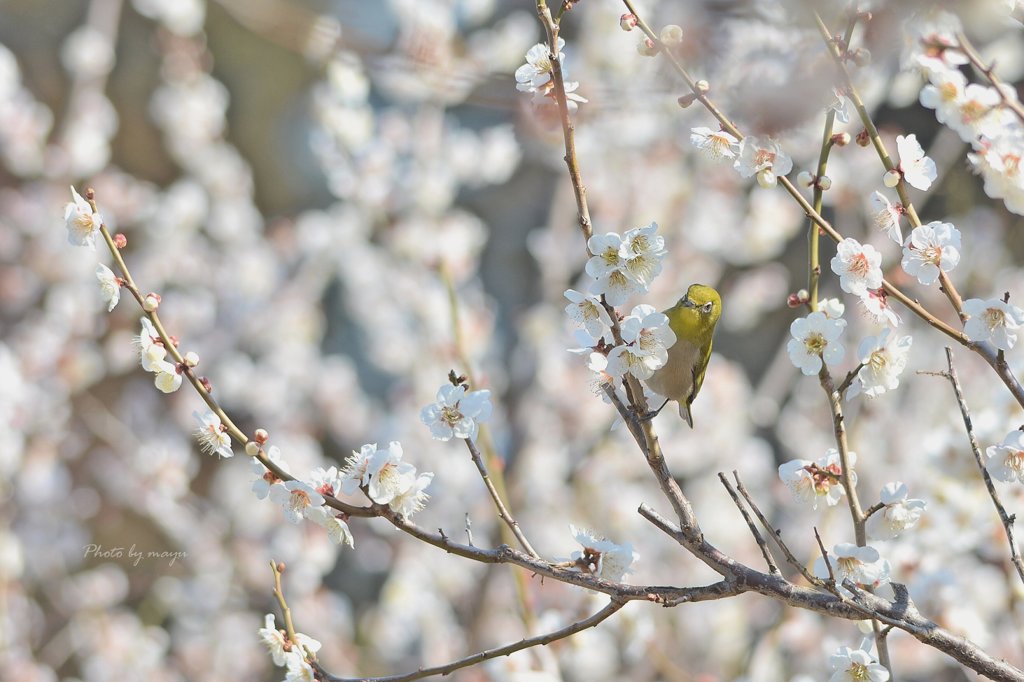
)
(706, 307)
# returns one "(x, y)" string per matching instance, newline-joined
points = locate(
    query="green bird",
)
(693, 320)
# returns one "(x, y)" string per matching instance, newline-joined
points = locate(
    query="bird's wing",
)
(698, 372)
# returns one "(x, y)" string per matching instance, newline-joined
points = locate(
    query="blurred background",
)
(310, 186)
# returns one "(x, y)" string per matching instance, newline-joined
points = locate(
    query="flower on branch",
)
(992, 320)
(212, 436)
(861, 565)
(764, 158)
(899, 513)
(413, 498)
(887, 216)
(714, 144)
(457, 414)
(602, 557)
(110, 286)
(537, 70)
(917, 169)
(625, 265)
(884, 358)
(83, 225)
(168, 376)
(815, 339)
(856, 665)
(388, 476)
(876, 306)
(1006, 461)
(150, 346)
(811, 482)
(336, 526)
(298, 499)
(930, 249)
(646, 338)
(264, 477)
(859, 267)
(277, 643)
(586, 311)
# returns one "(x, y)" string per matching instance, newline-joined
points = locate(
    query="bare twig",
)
(1011, 103)
(824, 556)
(762, 545)
(481, 656)
(1006, 519)
(503, 512)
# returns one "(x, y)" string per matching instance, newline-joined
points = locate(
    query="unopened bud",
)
(671, 34)
(647, 48)
(891, 178)
(686, 100)
(90, 193)
(151, 302)
(766, 178)
(805, 178)
(252, 448)
(863, 139)
(798, 299)
(205, 383)
(627, 22)
(703, 87)
(261, 436)
(861, 57)
(841, 139)
(174, 340)
(120, 241)
(824, 183)
(191, 359)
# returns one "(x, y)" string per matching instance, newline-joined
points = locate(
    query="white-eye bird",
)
(693, 320)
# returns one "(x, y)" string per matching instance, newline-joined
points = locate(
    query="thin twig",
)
(503, 511)
(479, 657)
(824, 556)
(758, 538)
(1005, 518)
(1011, 103)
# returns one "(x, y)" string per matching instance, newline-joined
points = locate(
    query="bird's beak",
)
(687, 303)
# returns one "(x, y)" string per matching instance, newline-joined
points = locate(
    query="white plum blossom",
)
(861, 565)
(647, 338)
(999, 162)
(930, 249)
(356, 472)
(110, 286)
(832, 307)
(944, 93)
(886, 216)
(764, 158)
(884, 358)
(876, 306)
(643, 250)
(150, 346)
(856, 665)
(263, 477)
(388, 475)
(83, 225)
(537, 70)
(976, 113)
(992, 320)
(820, 480)
(327, 482)
(299, 669)
(917, 169)
(212, 436)
(815, 339)
(898, 515)
(413, 498)
(859, 267)
(456, 414)
(586, 311)
(336, 527)
(602, 557)
(274, 639)
(714, 144)
(608, 267)
(298, 499)
(168, 378)
(1005, 462)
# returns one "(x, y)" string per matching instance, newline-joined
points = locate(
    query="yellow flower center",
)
(451, 415)
(994, 317)
(815, 344)
(948, 91)
(860, 265)
(932, 254)
(858, 671)
(764, 158)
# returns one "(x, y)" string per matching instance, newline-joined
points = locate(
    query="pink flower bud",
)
(627, 22)
(120, 241)
(151, 302)
(261, 436)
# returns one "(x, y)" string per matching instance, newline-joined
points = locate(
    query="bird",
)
(692, 319)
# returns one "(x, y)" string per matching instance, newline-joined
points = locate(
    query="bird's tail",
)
(684, 412)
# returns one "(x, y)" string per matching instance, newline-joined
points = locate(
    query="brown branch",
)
(1011, 103)
(479, 657)
(758, 538)
(1006, 519)
(503, 512)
